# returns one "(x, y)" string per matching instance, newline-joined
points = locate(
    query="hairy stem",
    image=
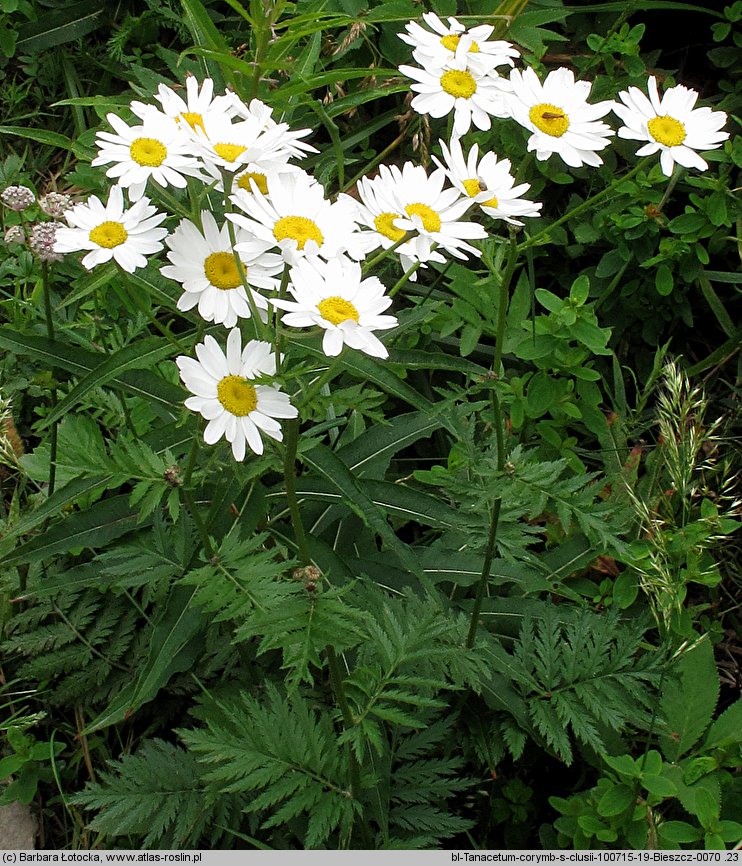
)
(489, 553)
(46, 280)
(289, 471)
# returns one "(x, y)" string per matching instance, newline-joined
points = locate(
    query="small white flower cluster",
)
(40, 237)
(459, 75)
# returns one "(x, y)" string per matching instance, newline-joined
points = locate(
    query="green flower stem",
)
(319, 383)
(380, 157)
(489, 553)
(167, 198)
(403, 279)
(257, 322)
(190, 504)
(333, 665)
(134, 296)
(187, 496)
(289, 471)
(379, 257)
(46, 282)
(588, 203)
(276, 318)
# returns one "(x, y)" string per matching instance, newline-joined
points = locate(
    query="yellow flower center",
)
(260, 179)
(337, 310)
(384, 223)
(237, 395)
(451, 43)
(666, 130)
(193, 119)
(549, 119)
(221, 271)
(459, 83)
(472, 186)
(108, 234)
(431, 220)
(229, 152)
(299, 229)
(491, 202)
(148, 151)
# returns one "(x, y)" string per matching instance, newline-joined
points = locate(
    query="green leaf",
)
(370, 453)
(95, 527)
(54, 139)
(206, 35)
(726, 730)
(616, 799)
(663, 280)
(332, 468)
(76, 489)
(171, 649)
(688, 703)
(144, 353)
(679, 831)
(52, 353)
(61, 25)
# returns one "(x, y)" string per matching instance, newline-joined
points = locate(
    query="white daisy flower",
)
(188, 112)
(224, 144)
(488, 181)
(112, 232)
(203, 263)
(559, 116)
(671, 125)
(472, 96)
(380, 212)
(231, 392)
(435, 213)
(334, 296)
(155, 149)
(299, 220)
(439, 47)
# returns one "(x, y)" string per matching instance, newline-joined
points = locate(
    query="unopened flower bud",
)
(14, 235)
(41, 242)
(55, 204)
(17, 197)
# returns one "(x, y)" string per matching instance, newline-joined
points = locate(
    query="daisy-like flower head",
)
(670, 125)
(230, 390)
(559, 116)
(457, 86)
(488, 181)
(433, 212)
(155, 149)
(206, 268)
(198, 103)
(111, 231)
(334, 296)
(439, 45)
(299, 220)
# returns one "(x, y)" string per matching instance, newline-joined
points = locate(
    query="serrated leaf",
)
(688, 703)
(726, 730)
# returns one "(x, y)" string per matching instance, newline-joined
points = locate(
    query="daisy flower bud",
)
(17, 197)
(670, 125)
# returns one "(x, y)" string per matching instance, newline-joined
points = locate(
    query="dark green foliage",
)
(586, 676)
(158, 795)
